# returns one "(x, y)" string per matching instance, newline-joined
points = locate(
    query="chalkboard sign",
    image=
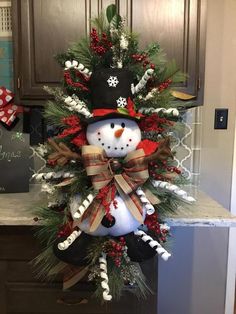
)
(14, 162)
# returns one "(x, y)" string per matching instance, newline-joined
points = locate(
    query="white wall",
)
(220, 91)
(194, 282)
(218, 149)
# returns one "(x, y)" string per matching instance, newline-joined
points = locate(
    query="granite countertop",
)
(16, 210)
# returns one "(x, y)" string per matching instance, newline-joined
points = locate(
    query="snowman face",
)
(117, 137)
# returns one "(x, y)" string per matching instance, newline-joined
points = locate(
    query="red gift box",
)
(8, 111)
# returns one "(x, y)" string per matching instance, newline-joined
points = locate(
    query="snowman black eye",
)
(123, 125)
(112, 125)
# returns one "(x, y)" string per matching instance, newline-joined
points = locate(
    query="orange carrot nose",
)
(119, 132)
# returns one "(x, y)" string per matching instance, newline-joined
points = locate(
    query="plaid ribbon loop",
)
(135, 173)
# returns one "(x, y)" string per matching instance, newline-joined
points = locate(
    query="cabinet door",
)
(43, 28)
(21, 292)
(179, 27)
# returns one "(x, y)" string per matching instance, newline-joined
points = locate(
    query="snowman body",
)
(118, 137)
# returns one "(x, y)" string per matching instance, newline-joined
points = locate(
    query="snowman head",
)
(117, 136)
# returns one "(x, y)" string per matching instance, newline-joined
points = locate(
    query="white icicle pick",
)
(75, 104)
(142, 83)
(103, 274)
(74, 63)
(65, 244)
(153, 244)
(77, 66)
(148, 206)
(173, 189)
(52, 175)
(68, 65)
(170, 112)
(82, 208)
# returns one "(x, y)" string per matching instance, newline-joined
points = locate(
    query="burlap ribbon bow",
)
(134, 174)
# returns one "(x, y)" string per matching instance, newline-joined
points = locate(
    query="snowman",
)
(113, 131)
(118, 137)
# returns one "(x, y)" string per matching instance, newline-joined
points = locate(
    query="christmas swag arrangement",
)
(111, 175)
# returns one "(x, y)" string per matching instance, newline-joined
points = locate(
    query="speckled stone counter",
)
(16, 210)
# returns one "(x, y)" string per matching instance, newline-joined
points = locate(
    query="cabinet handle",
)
(71, 301)
(18, 83)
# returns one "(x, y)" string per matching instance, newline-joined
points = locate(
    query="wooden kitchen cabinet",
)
(43, 28)
(21, 293)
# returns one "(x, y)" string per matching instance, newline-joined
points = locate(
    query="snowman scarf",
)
(134, 173)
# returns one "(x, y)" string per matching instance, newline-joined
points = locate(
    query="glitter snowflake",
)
(121, 102)
(112, 81)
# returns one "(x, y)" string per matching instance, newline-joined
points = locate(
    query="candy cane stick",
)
(82, 208)
(65, 244)
(173, 112)
(150, 209)
(75, 104)
(142, 83)
(153, 244)
(52, 175)
(103, 275)
(174, 189)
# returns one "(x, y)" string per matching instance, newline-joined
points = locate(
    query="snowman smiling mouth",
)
(117, 136)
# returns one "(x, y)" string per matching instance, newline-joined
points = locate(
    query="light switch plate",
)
(221, 118)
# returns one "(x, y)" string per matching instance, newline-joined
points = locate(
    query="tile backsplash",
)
(6, 63)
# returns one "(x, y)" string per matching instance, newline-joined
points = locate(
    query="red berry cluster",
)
(105, 201)
(155, 166)
(164, 234)
(152, 223)
(152, 170)
(164, 85)
(99, 45)
(65, 230)
(115, 250)
(173, 169)
(51, 162)
(157, 176)
(70, 82)
(142, 58)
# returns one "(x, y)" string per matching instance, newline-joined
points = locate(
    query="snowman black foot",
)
(76, 253)
(138, 250)
(142, 246)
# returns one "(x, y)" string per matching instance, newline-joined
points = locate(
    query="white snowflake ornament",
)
(121, 102)
(112, 81)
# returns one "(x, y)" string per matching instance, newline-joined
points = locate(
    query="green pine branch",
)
(55, 112)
